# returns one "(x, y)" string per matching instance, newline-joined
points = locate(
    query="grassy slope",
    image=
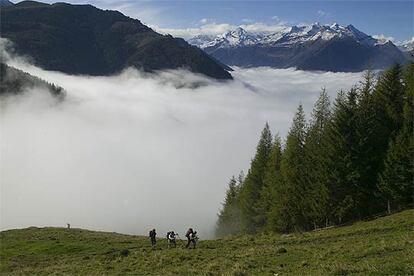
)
(381, 246)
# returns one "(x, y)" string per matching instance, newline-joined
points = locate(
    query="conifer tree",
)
(253, 184)
(387, 97)
(293, 190)
(316, 154)
(369, 159)
(396, 181)
(269, 194)
(229, 217)
(342, 158)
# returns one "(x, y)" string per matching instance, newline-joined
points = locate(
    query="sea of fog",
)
(133, 152)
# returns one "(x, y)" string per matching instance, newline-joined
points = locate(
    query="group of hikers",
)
(171, 236)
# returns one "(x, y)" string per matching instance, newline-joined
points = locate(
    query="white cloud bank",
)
(132, 152)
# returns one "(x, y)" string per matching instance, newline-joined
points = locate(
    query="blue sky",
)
(390, 18)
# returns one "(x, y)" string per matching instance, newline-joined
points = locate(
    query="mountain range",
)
(82, 39)
(307, 47)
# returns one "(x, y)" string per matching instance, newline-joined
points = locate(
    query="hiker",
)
(152, 235)
(68, 224)
(171, 239)
(191, 238)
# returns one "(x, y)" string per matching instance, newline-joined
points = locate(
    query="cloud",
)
(405, 42)
(383, 37)
(131, 152)
(322, 13)
(247, 20)
(204, 21)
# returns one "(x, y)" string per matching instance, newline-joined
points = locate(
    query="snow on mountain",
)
(307, 47)
(407, 46)
(287, 36)
(201, 40)
(233, 38)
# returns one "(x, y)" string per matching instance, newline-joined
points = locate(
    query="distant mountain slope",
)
(81, 39)
(312, 47)
(14, 81)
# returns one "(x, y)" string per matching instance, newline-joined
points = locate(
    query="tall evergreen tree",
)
(342, 157)
(293, 190)
(396, 181)
(369, 159)
(387, 97)
(269, 195)
(316, 154)
(229, 217)
(253, 184)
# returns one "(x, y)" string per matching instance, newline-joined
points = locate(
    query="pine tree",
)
(229, 217)
(316, 155)
(370, 158)
(396, 181)
(253, 184)
(343, 184)
(269, 194)
(387, 97)
(293, 190)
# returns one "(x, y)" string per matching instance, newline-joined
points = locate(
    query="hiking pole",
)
(182, 242)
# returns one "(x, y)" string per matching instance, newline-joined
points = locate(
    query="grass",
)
(384, 246)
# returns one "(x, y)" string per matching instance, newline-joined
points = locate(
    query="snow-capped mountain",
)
(314, 47)
(407, 46)
(234, 38)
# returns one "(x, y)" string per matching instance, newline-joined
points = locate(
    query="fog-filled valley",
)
(135, 151)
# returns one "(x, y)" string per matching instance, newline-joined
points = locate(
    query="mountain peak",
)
(335, 26)
(351, 27)
(240, 30)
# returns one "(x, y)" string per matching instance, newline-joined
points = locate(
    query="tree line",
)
(352, 159)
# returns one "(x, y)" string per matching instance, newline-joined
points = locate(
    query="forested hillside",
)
(84, 40)
(14, 81)
(351, 160)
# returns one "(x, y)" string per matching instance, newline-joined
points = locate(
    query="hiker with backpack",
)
(191, 238)
(152, 235)
(171, 239)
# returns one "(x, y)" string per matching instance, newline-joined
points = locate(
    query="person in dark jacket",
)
(191, 236)
(187, 235)
(152, 235)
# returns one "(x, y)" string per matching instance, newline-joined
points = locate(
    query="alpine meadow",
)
(206, 137)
